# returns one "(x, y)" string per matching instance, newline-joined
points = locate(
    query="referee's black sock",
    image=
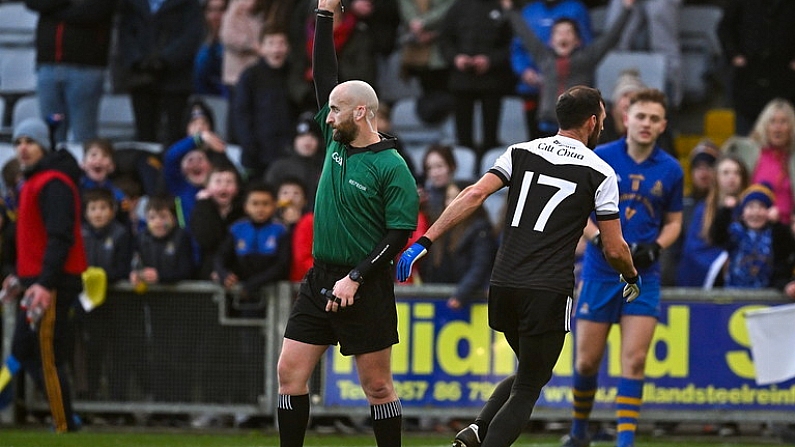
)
(293, 412)
(387, 423)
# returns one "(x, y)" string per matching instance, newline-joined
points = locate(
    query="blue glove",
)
(410, 256)
(632, 288)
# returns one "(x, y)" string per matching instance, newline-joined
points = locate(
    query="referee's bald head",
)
(359, 93)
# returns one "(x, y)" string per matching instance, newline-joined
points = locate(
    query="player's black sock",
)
(293, 412)
(387, 423)
(497, 399)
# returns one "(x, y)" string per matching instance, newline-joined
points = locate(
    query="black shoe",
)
(468, 437)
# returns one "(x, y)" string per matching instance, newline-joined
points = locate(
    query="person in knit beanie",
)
(760, 248)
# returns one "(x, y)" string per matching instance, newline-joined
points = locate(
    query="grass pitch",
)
(125, 437)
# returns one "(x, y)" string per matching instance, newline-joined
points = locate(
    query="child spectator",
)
(305, 161)
(164, 255)
(219, 207)
(262, 111)
(163, 250)
(256, 250)
(565, 62)
(760, 249)
(108, 243)
(98, 165)
(297, 216)
(291, 201)
(108, 246)
(187, 163)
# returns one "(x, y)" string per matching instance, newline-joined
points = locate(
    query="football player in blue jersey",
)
(650, 206)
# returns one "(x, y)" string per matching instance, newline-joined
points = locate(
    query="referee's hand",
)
(342, 295)
(410, 256)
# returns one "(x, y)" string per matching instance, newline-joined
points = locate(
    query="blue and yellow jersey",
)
(647, 192)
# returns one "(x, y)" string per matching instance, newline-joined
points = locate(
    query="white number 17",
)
(565, 189)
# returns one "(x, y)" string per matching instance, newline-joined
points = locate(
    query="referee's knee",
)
(379, 390)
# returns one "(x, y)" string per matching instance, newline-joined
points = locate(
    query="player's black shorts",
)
(369, 325)
(528, 311)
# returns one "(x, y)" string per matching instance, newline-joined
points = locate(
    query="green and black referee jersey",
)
(362, 193)
(554, 184)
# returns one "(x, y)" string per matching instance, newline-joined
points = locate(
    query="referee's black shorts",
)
(369, 325)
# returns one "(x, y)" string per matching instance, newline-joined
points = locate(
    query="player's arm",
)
(465, 203)
(615, 248)
(671, 229)
(324, 57)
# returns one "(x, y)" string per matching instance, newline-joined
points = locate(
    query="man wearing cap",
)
(50, 261)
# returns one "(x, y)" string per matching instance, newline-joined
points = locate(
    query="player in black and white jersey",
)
(554, 184)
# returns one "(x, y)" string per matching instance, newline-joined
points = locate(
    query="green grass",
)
(127, 437)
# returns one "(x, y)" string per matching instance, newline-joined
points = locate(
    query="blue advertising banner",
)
(699, 359)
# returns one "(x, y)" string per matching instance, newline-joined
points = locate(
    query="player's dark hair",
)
(578, 104)
(649, 95)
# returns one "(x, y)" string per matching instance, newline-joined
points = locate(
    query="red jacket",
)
(32, 237)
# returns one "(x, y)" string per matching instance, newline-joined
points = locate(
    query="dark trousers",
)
(490, 106)
(159, 116)
(44, 352)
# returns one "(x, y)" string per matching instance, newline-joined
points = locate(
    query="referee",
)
(554, 184)
(366, 208)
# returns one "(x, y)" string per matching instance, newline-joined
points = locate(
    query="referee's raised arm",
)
(324, 57)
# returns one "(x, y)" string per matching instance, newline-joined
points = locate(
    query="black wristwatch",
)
(356, 275)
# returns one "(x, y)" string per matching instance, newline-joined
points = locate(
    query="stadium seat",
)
(489, 157)
(466, 159)
(650, 65)
(719, 125)
(495, 207)
(25, 107)
(220, 107)
(408, 126)
(17, 25)
(701, 49)
(7, 152)
(235, 152)
(17, 71)
(75, 148)
(155, 148)
(513, 126)
(116, 117)
(3, 118)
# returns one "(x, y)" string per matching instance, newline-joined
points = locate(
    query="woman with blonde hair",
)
(771, 158)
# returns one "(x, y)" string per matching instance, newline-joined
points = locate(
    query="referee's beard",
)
(345, 131)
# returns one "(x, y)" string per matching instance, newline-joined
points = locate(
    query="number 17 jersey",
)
(554, 184)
